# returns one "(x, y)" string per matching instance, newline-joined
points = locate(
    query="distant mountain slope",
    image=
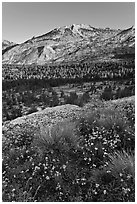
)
(73, 43)
(7, 45)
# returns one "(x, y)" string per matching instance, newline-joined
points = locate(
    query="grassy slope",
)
(33, 122)
(77, 156)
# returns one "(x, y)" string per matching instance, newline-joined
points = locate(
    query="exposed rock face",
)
(7, 45)
(72, 43)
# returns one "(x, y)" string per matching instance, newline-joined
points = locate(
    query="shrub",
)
(107, 94)
(125, 92)
(55, 100)
(110, 117)
(81, 100)
(72, 99)
(115, 182)
(60, 136)
(122, 162)
(108, 124)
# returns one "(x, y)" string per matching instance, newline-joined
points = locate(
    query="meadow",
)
(88, 159)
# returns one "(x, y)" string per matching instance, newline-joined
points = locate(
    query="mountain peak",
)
(73, 42)
(6, 44)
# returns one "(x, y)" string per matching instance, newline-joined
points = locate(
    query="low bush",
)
(122, 162)
(115, 182)
(112, 124)
(61, 136)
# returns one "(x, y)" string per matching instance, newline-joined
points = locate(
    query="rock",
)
(6, 44)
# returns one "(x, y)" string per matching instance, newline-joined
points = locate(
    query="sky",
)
(23, 20)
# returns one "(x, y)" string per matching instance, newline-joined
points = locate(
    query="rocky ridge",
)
(77, 42)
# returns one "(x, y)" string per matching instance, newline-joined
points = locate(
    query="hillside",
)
(35, 121)
(49, 116)
(73, 43)
(67, 153)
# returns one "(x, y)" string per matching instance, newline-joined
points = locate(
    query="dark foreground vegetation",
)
(90, 159)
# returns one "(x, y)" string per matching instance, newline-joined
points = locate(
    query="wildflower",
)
(97, 185)
(57, 173)
(125, 190)
(94, 165)
(36, 167)
(64, 166)
(96, 148)
(129, 176)
(58, 186)
(47, 177)
(4, 172)
(31, 159)
(83, 179)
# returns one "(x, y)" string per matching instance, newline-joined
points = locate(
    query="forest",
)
(26, 89)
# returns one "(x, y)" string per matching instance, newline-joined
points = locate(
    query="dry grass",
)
(63, 135)
(122, 163)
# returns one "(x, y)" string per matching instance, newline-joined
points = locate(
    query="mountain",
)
(7, 45)
(77, 42)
